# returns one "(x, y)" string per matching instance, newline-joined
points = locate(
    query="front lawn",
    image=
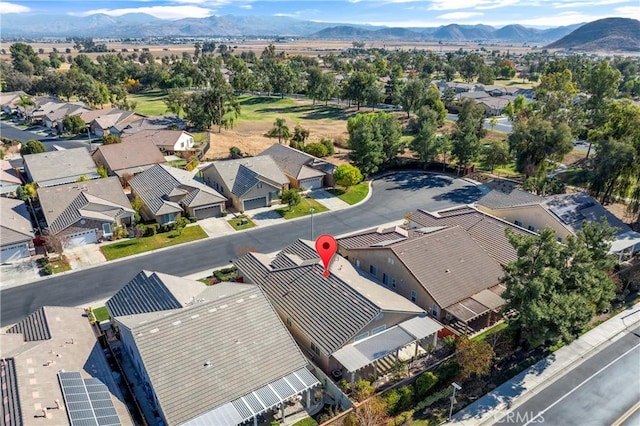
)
(133, 246)
(353, 195)
(240, 223)
(101, 313)
(302, 209)
(60, 265)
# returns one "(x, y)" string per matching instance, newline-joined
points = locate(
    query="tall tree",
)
(496, 154)
(469, 129)
(216, 106)
(412, 96)
(32, 147)
(374, 139)
(357, 86)
(424, 141)
(474, 357)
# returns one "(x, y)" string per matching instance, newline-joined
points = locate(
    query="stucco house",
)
(303, 170)
(16, 231)
(344, 322)
(101, 125)
(167, 141)
(53, 119)
(54, 371)
(168, 193)
(564, 213)
(128, 158)
(9, 178)
(216, 355)
(9, 101)
(60, 167)
(248, 183)
(82, 213)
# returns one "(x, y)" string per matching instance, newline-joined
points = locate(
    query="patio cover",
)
(259, 401)
(358, 355)
(625, 241)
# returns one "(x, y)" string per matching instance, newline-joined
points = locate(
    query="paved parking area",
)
(84, 256)
(18, 273)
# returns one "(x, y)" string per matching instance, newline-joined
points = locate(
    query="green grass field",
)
(149, 103)
(238, 224)
(101, 313)
(264, 108)
(140, 245)
(353, 195)
(302, 209)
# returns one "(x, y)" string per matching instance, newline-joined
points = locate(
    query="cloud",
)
(13, 8)
(469, 4)
(578, 4)
(246, 6)
(628, 11)
(162, 12)
(459, 15)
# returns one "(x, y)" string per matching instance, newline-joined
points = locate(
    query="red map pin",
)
(326, 247)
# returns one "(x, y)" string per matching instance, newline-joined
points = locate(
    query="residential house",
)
(215, 355)
(345, 321)
(564, 213)
(168, 141)
(164, 122)
(128, 158)
(303, 170)
(248, 183)
(16, 231)
(60, 167)
(9, 101)
(168, 193)
(82, 213)
(101, 125)
(53, 118)
(54, 371)
(9, 178)
(441, 269)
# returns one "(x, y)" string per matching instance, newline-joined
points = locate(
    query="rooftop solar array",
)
(88, 401)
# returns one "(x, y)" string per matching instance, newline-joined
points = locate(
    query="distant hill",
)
(609, 34)
(455, 32)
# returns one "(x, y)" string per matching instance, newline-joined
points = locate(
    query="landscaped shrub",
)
(167, 228)
(329, 145)
(193, 219)
(140, 230)
(151, 230)
(309, 421)
(48, 269)
(425, 383)
(224, 213)
(447, 370)
(316, 149)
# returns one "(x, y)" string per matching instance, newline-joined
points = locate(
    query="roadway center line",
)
(627, 414)
(583, 382)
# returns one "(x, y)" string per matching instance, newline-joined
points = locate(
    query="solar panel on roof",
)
(88, 401)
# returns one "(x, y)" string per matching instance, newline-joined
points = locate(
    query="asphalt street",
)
(392, 197)
(49, 142)
(596, 393)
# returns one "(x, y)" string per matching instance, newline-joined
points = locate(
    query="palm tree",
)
(280, 130)
(25, 102)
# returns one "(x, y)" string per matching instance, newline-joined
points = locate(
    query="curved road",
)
(392, 197)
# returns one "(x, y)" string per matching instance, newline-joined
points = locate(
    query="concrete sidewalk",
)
(495, 405)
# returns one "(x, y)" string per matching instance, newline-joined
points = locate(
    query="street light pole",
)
(453, 397)
(311, 210)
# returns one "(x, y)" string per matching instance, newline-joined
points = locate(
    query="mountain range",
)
(142, 25)
(609, 34)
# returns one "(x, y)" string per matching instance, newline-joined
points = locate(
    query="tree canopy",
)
(374, 139)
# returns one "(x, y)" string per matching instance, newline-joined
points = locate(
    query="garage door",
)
(255, 203)
(14, 252)
(315, 183)
(81, 239)
(206, 212)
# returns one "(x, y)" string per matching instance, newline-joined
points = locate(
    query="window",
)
(559, 239)
(434, 310)
(106, 229)
(362, 336)
(385, 279)
(414, 296)
(182, 144)
(169, 218)
(517, 222)
(373, 270)
(531, 228)
(393, 282)
(259, 185)
(379, 329)
(315, 349)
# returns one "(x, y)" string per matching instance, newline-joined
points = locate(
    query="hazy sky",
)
(404, 13)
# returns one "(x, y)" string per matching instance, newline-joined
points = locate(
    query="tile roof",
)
(496, 199)
(153, 123)
(64, 205)
(486, 230)
(52, 165)
(160, 137)
(10, 411)
(15, 223)
(33, 327)
(330, 311)
(374, 237)
(156, 183)
(152, 292)
(8, 173)
(236, 344)
(67, 109)
(244, 173)
(297, 164)
(128, 155)
(113, 117)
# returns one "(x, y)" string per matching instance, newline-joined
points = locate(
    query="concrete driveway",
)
(18, 273)
(85, 256)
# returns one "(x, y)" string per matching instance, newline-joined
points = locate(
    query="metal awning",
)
(489, 299)
(360, 354)
(259, 401)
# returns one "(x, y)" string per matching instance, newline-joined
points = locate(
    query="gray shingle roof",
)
(55, 165)
(131, 155)
(34, 327)
(496, 199)
(64, 205)
(157, 182)
(296, 163)
(331, 311)
(242, 174)
(15, 222)
(486, 230)
(206, 355)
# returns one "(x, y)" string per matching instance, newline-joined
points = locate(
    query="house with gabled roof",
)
(168, 141)
(101, 125)
(128, 158)
(53, 119)
(81, 213)
(346, 321)
(54, 371)
(248, 183)
(220, 373)
(9, 178)
(16, 231)
(168, 193)
(441, 268)
(303, 170)
(60, 167)
(149, 123)
(9, 101)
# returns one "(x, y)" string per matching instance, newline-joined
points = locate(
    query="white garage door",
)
(14, 252)
(255, 203)
(315, 183)
(81, 239)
